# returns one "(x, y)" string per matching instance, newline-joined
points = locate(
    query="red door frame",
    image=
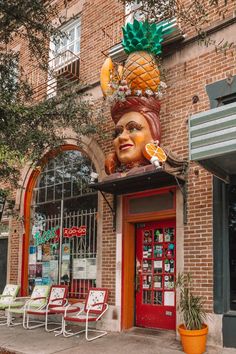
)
(128, 249)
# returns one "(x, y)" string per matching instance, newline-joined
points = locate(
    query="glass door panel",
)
(156, 259)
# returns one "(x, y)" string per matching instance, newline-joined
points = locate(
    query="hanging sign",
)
(75, 231)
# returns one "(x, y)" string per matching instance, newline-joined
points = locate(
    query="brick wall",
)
(96, 16)
(13, 244)
(108, 251)
(184, 80)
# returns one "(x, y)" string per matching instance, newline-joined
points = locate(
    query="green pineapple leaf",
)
(142, 36)
(129, 27)
(135, 41)
(136, 25)
(144, 42)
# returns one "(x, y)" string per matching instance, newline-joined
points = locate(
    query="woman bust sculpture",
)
(137, 123)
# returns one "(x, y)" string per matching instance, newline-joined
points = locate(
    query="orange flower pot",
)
(193, 341)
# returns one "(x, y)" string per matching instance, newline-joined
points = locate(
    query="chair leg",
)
(69, 333)
(24, 320)
(61, 329)
(10, 320)
(28, 326)
(54, 323)
(3, 320)
(87, 330)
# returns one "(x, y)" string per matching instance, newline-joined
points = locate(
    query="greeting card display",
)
(158, 265)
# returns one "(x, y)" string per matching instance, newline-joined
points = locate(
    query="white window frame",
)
(4, 222)
(65, 53)
(61, 50)
(131, 11)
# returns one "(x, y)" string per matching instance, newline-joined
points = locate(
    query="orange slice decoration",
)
(152, 150)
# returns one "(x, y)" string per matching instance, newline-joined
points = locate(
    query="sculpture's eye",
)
(133, 126)
(117, 132)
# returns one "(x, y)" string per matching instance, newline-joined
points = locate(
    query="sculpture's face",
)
(132, 133)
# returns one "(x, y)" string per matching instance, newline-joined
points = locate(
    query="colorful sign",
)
(46, 235)
(54, 234)
(75, 231)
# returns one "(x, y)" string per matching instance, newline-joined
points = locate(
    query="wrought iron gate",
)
(61, 257)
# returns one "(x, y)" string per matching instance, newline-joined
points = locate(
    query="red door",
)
(155, 275)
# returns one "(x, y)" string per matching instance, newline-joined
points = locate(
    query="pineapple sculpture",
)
(140, 74)
(142, 42)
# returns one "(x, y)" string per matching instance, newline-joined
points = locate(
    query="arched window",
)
(63, 237)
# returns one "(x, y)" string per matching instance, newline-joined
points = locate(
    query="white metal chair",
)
(94, 308)
(7, 298)
(57, 297)
(36, 301)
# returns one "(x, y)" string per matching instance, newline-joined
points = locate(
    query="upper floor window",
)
(222, 92)
(133, 11)
(226, 99)
(67, 49)
(64, 60)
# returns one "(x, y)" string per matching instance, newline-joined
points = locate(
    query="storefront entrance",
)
(155, 273)
(149, 259)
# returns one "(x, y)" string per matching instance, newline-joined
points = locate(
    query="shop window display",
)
(63, 245)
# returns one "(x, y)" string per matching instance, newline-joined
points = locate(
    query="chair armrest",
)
(58, 299)
(30, 301)
(64, 302)
(102, 313)
(73, 305)
(38, 298)
(7, 296)
(97, 304)
(24, 299)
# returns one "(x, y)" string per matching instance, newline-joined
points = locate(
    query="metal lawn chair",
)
(36, 301)
(57, 297)
(94, 308)
(7, 298)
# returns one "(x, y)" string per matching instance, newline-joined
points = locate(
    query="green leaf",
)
(135, 42)
(136, 25)
(144, 42)
(139, 47)
(129, 27)
(139, 35)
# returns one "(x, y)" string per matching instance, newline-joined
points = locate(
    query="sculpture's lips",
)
(126, 146)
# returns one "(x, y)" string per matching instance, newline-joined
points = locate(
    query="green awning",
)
(212, 140)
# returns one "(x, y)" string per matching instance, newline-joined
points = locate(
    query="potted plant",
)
(193, 331)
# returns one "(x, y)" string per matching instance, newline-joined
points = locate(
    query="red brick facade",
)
(188, 70)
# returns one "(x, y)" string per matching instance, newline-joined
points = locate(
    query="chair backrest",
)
(40, 291)
(96, 296)
(9, 293)
(58, 292)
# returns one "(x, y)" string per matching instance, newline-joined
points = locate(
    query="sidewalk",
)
(136, 341)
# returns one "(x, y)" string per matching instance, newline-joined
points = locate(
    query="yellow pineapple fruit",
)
(141, 40)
